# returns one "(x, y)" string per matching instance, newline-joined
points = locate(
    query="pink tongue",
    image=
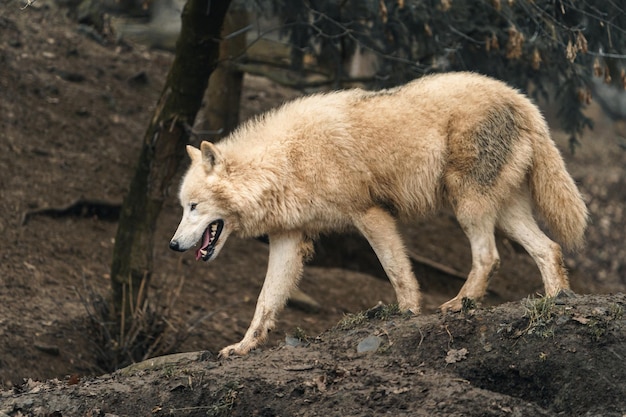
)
(205, 244)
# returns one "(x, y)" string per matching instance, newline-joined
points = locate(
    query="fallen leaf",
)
(456, 355)
(320, 382)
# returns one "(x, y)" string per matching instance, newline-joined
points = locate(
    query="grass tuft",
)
(540, 314)
(380, 312)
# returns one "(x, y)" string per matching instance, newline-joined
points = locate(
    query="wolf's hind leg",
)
(283, 273)
(479, 226)
(379, 228)
(517, 221)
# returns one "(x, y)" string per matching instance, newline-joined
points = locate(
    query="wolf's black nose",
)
(174, 245)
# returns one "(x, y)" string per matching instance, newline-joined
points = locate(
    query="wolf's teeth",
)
(203, 252)
(214, 228)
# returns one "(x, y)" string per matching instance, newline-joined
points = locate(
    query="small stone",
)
(369, 344)
(293, 341)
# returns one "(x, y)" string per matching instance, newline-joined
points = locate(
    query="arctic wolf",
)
(358, 159)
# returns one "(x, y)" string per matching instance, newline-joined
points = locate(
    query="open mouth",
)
(209, 240)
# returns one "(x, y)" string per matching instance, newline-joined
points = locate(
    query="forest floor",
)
(73, 109)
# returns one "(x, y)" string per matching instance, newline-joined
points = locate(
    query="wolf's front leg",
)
(287, 251)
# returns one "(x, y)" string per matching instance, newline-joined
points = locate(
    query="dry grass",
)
(540, 314)
(379, 312)
(152, 330)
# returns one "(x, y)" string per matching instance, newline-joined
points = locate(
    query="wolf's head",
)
(205, 216)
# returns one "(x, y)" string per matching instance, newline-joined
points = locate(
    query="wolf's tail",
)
(556, 197)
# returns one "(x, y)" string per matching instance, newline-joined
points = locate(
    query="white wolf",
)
(363, 159)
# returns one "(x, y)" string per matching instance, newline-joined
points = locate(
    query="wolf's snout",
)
(175, 246)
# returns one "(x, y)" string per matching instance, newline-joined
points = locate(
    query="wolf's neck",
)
(261, 196)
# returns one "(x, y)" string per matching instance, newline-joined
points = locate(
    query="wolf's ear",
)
(194, 153)
(210, 155)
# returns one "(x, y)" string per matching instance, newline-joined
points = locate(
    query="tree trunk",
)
(223, 97)
(197, 52)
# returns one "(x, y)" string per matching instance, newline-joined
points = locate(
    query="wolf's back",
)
(556, 196)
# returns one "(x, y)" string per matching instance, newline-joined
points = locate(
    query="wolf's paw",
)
(238, 349)
(453, 306)
(414, 310)
(564, 294)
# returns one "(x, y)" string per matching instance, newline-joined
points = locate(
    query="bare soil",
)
(72, 114)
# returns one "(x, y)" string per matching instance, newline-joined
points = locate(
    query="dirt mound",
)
(540, 357)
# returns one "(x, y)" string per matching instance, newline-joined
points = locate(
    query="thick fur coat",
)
(358, 159)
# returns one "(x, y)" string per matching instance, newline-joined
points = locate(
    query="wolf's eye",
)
(193, 206)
